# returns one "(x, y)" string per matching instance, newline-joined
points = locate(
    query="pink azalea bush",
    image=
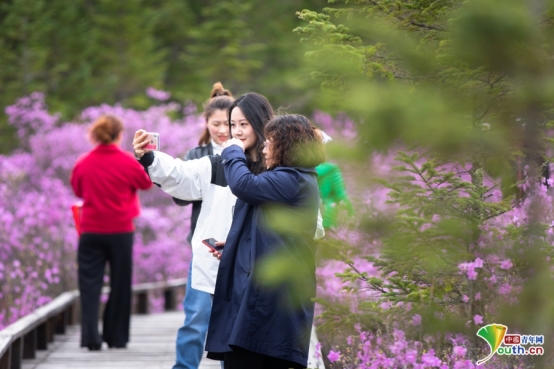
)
(37, 237)
(372, 316)
(377, 317)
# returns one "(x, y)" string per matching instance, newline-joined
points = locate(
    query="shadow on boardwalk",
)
(152, 346)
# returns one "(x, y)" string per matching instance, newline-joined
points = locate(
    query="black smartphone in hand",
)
(210, 242)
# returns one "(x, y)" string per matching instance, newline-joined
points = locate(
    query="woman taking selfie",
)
(203, 179)
(255, 325)
(107, 179)
(197, 304)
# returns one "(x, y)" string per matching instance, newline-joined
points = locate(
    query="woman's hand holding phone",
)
(144, 142)
(215, 247)
(139, 141)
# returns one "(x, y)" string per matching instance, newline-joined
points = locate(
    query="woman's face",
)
(218, 126)
(242, 129)
(268, 153)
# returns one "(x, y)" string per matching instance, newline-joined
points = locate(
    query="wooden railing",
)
(33, 332)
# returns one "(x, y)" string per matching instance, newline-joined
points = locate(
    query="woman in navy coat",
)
(254, 324)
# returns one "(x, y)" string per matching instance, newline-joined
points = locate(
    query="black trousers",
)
(95, 250)
(242, 359)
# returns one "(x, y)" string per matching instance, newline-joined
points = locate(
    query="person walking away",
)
(107, 179)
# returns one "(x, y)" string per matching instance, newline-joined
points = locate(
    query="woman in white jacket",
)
(197, 305)
(203, 179)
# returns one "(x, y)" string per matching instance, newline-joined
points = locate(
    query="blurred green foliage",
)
(454, 82)
(87, 52)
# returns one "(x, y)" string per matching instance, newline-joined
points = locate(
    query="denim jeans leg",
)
(191, 337)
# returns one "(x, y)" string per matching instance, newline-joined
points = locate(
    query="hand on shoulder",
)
(233, 141)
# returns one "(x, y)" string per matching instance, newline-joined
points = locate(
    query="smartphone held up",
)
(153, 141)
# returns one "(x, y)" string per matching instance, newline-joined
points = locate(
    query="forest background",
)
(442, 117)
(82, 53)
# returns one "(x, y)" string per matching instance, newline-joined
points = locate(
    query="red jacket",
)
(107, 179)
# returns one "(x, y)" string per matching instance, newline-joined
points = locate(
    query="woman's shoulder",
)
(294, 170)
(199, 152)
(293, 174)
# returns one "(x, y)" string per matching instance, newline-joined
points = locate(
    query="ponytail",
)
(220, 99)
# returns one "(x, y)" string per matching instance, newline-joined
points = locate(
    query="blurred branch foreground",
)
(453, 105)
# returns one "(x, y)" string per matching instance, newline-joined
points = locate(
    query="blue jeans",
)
(191, 337)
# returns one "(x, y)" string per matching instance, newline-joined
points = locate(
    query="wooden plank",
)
(152, 345)
(55, 316)
(59, 304)
(29, 322)
(161, 285)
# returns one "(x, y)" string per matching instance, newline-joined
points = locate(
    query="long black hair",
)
(258, 112)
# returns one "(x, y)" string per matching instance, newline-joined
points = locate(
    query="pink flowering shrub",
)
(435, 251)
(366, 350)
(37, 237)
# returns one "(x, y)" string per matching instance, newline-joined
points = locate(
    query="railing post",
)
(30, 345)
(51, 326)
(16, 354)
(5, 361)
(74, 313)
(42, 336)
(169, 299)
(59, 321)
(67, 316)
(142, 302)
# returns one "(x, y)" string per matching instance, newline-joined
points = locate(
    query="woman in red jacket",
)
(107, 179)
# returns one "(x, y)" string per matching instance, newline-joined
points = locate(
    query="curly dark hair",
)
(294, 142)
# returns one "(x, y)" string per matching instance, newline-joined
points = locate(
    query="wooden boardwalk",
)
(152, 346)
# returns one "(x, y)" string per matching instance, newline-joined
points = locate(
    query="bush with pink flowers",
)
(37, 236)
(407, 282)
(434, 252)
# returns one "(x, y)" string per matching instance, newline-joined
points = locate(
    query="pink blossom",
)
(318, 350)
(506, 264)
(478, 319)
(333, 356)
(416, 319)
(505, 289)
(157, 94)
(459, 351)
(429, 359)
